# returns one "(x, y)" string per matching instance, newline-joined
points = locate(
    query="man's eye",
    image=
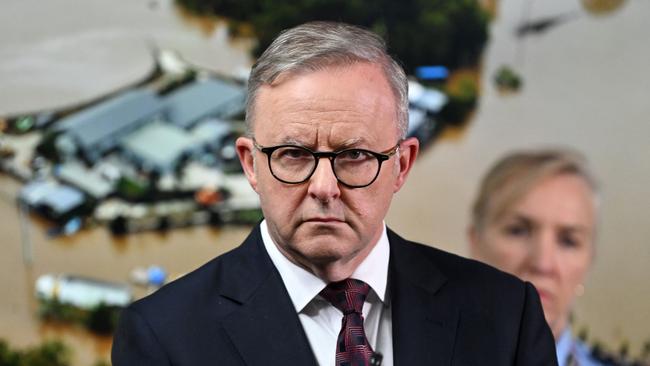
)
(353, 155)
(293, 153)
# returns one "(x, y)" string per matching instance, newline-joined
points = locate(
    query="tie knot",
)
(347, 295)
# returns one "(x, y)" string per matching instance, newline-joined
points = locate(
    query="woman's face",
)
(547, 238)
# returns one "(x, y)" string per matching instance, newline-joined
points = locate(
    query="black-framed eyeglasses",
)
(354, 168)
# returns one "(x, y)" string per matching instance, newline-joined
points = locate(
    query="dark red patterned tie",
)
(352, 347)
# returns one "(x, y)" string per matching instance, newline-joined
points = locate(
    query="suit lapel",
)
(424, 320)
(265, 328)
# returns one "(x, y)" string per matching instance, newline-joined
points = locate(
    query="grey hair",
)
(317, 45)
(514, 175)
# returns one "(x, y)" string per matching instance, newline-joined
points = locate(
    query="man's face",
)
(546, 238)
(321, 224)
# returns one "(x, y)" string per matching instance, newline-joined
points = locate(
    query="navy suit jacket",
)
(235, 310)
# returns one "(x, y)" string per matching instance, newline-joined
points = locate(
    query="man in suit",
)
(322, 281)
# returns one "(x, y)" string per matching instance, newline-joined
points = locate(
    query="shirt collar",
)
(563, 346)
(303, 286)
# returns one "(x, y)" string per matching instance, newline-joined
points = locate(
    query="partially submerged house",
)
(57, 202)
(82, 292)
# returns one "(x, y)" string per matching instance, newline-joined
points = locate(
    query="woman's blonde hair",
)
(515, 174)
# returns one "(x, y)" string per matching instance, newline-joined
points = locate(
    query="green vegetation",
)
(238, 216)
(447, 32)
(507, 79)
(58, 311)
(25, 123)
(132, 189)
(49, 353)
(248, 217)
(463, 97)
(102, 319)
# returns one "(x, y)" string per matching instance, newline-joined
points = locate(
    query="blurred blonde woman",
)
(535, 217)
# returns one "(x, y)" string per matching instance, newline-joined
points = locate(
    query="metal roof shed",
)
(159, 145)
(202, 99)
(97, 128)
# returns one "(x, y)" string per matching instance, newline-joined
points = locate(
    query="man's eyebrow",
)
(352, 142)
(345, 144)
(291, 141)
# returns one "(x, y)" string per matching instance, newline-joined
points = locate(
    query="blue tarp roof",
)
(431, 72)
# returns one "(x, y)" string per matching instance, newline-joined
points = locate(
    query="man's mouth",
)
(324, 220)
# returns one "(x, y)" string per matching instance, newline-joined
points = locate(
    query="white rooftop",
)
(159, 143)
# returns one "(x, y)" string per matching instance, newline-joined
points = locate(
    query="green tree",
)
(102, 319)
(49, 353)
(462, 100)
(8, 357)
(419, 32)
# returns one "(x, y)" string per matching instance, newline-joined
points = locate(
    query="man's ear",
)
(245, 151)
(408, 151)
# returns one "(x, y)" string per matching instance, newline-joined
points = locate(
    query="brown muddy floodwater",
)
(92, 253)
(586, 84)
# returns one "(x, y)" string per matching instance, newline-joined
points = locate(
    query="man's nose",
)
(323, 184)
(544, 253)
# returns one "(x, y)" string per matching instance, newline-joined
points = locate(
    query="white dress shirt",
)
(321, 320)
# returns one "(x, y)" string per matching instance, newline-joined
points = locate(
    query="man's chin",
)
(325, 250)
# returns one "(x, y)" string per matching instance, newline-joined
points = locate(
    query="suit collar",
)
(244, 269)
(424, 316)
(301, 284)
(265, 328)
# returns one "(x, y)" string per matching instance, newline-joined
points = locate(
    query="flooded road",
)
(586, 85)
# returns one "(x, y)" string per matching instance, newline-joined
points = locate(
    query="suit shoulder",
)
(200, 286)
(189, 285)
(462, 271)
(212, 278)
